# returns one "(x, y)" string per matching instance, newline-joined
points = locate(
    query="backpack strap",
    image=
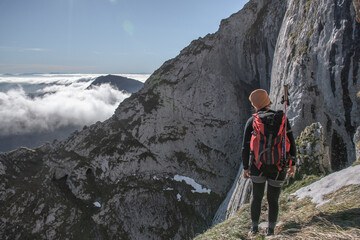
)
(256, 158)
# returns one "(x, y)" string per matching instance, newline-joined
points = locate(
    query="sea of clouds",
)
(46, 102)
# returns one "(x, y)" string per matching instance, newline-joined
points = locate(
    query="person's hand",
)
(246, 174)
(291, 171)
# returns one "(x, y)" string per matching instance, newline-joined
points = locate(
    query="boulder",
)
(313, 156)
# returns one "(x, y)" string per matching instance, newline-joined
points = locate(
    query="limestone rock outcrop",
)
(313, 156)
(318, 54)
(240, 196)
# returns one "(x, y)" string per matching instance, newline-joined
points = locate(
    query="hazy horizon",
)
(110, 36)
(137, 76)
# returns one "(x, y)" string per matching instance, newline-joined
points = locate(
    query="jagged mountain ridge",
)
(184, 122)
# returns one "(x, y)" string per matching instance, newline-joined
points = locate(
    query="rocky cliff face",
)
(160, 167)
(318, 54)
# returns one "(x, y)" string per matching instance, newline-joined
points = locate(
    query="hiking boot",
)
(254, 230)
(269, 232)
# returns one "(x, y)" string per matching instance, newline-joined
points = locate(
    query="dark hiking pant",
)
(274, 180)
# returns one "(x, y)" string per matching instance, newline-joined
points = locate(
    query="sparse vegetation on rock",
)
(299, 219)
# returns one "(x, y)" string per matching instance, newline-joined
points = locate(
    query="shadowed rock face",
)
(318, 54)
(119, 179)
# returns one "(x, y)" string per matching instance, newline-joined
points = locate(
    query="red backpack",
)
(267, 139)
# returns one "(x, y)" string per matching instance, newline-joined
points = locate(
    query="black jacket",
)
(247, 137)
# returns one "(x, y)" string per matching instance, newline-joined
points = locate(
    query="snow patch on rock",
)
(329, 184)
(198, 188)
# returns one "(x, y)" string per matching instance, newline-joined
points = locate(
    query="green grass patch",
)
(356, 163)
(305, 180)
(236, 227)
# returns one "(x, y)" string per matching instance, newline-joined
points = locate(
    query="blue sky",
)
(102, 36)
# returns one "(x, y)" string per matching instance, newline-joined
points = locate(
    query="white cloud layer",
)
(67, 103)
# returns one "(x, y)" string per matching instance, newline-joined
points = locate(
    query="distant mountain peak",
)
(121, 83)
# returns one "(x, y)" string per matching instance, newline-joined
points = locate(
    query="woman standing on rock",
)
(264, 143)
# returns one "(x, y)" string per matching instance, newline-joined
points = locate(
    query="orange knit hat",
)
(259, 99)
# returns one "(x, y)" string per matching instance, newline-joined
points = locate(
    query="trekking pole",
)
(285, 101)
